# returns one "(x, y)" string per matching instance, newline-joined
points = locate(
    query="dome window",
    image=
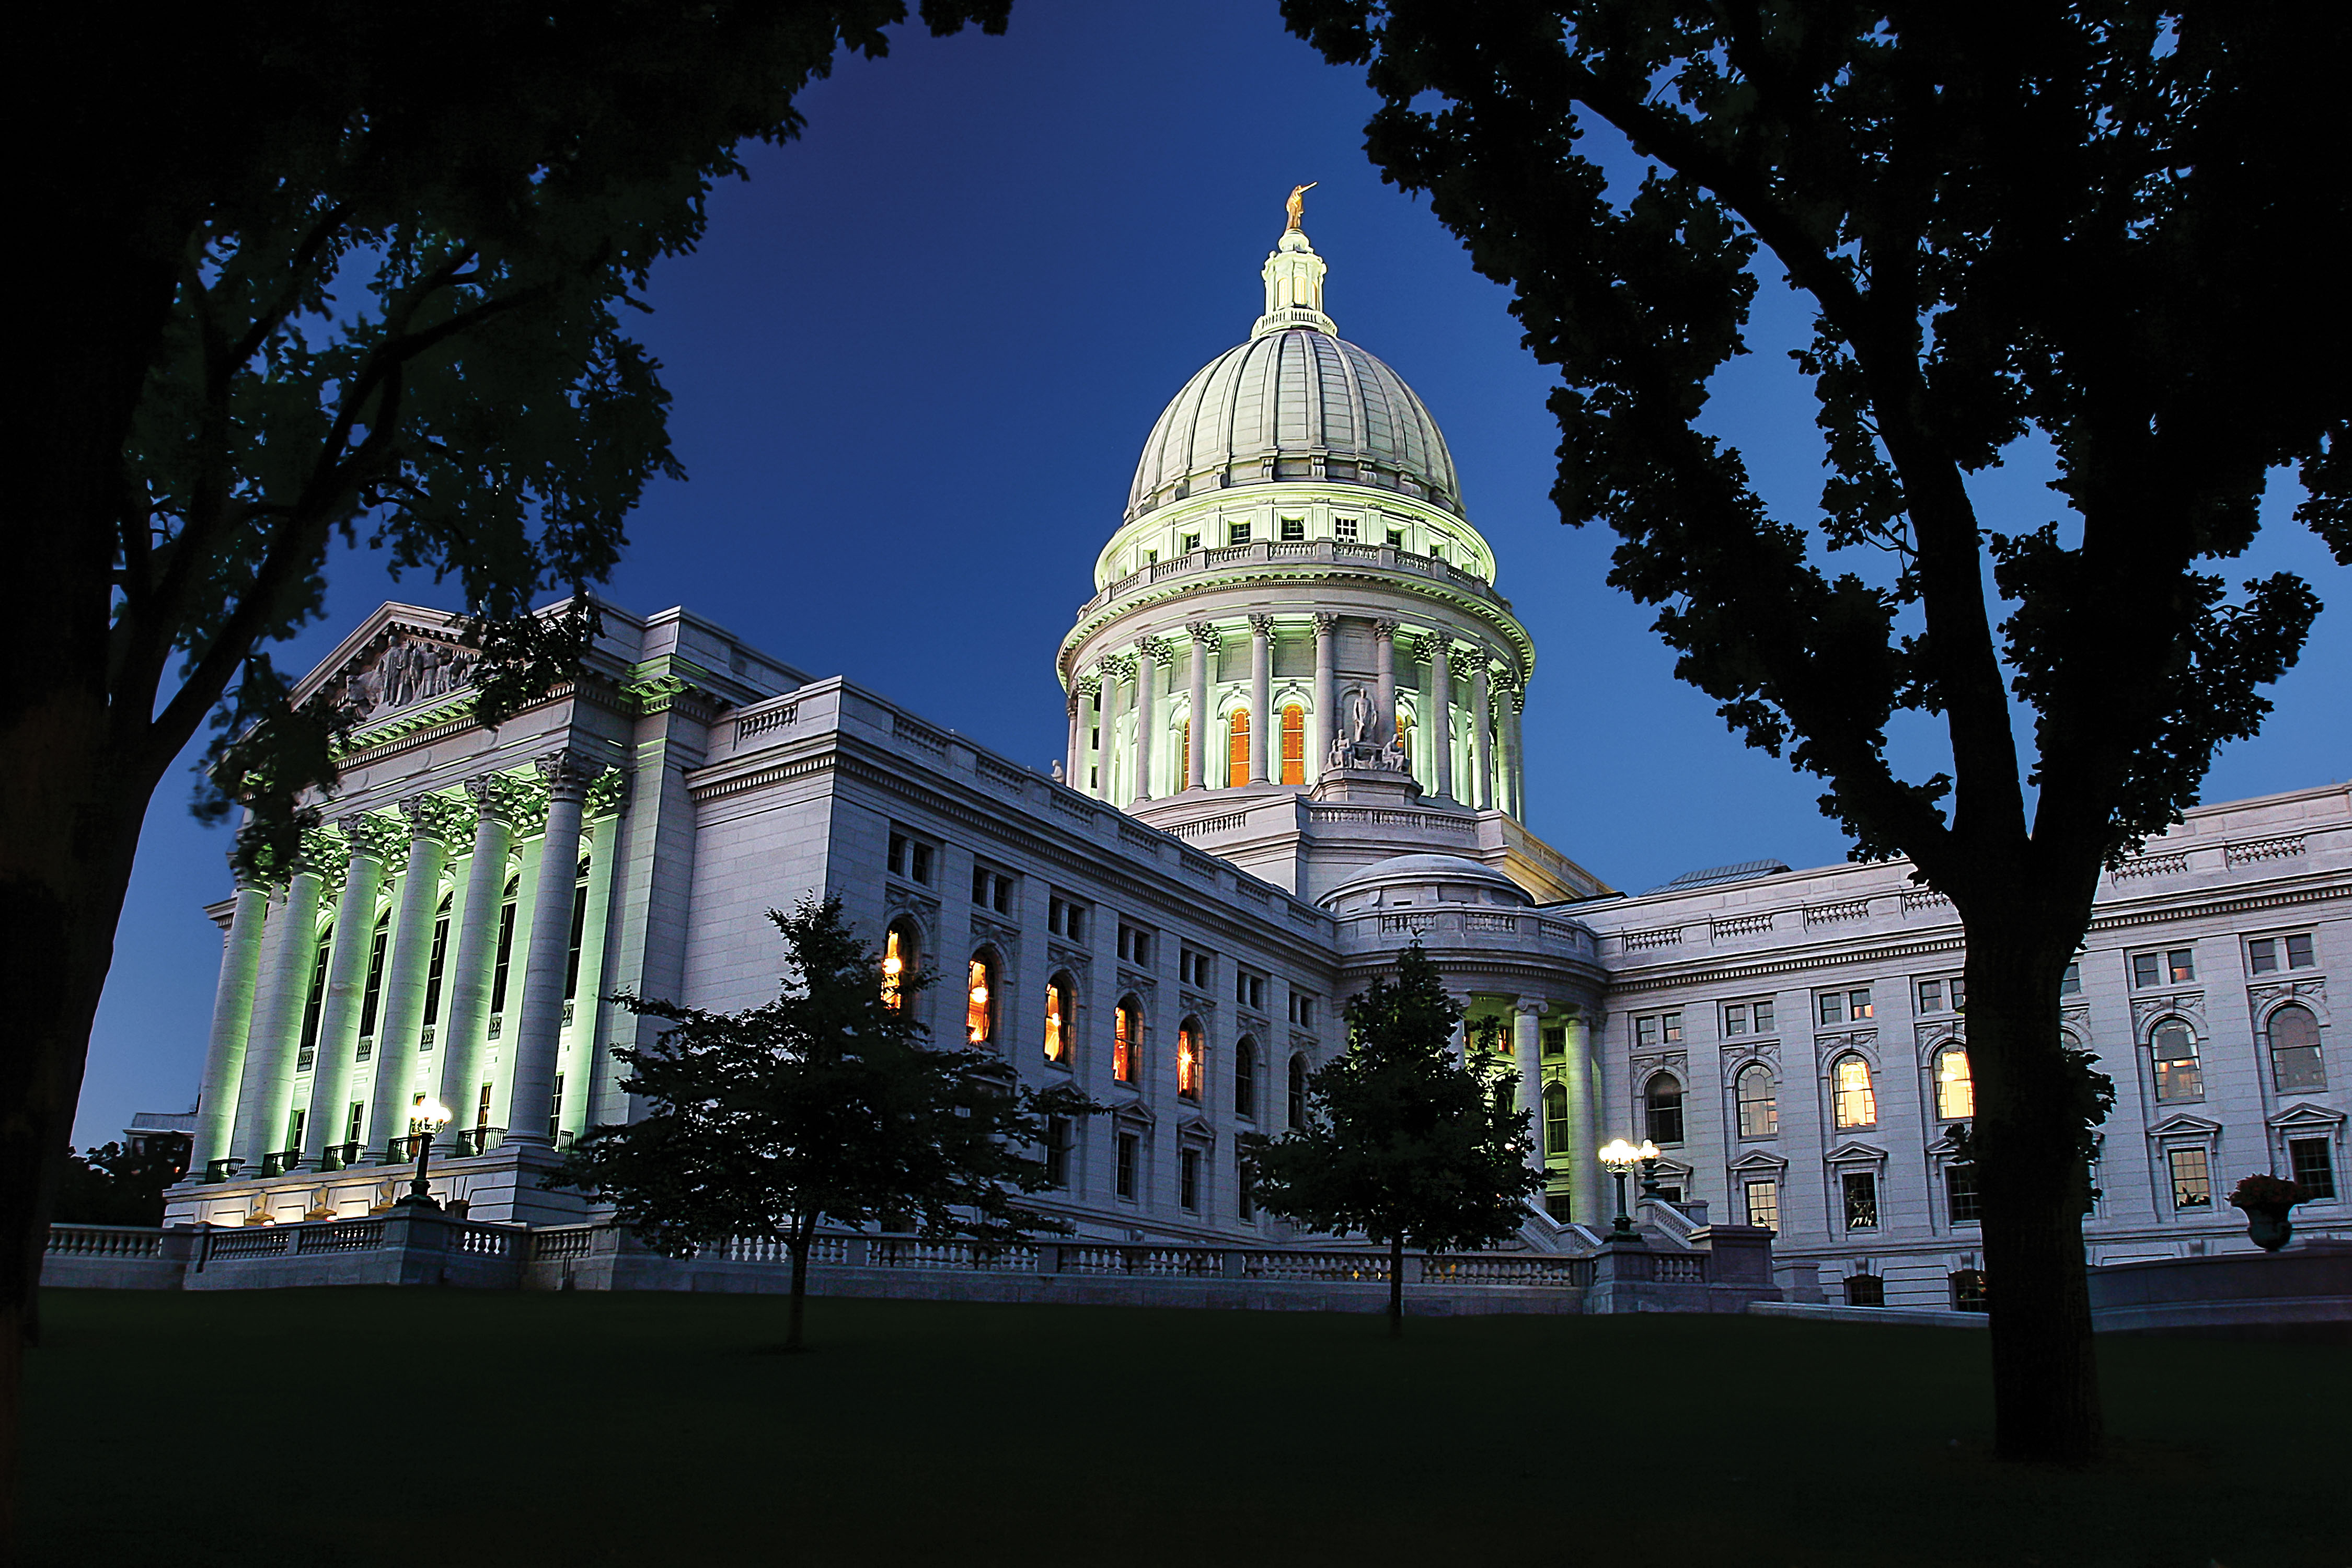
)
(1396, 538)
(1237, 534)
(1294, 528)
(1344, 528)
(1191, 543)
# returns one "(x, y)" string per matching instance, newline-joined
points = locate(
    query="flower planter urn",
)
(2270, 1228)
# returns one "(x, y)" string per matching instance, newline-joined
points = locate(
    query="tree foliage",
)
(824, 1103)
(1403, 1141)
(117, 1184)
(2112, 227)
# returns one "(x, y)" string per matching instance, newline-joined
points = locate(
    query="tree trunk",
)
(2032, 1186)
(1396, 1285)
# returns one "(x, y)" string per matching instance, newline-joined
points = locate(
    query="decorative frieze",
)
(2254, 850)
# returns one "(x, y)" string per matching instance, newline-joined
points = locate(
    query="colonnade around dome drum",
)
(1271, 687)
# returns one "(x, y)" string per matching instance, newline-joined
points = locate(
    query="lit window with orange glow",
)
(1237, 749)
(1126, 1041)
(1188, 1060)
(1956, 1091)
(1294, 744)
(1057, 1021)
(980, 1000)
(1853, 1099)
(898, 953)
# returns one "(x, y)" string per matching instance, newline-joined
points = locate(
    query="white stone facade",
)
(1197, 914)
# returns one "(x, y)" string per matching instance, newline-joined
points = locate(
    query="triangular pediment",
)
(1758, 1163)
(2307, 1115)
(2181, 1123)
(1857, 1153)
(403, 657)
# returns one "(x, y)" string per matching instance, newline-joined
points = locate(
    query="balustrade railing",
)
(104, 1241)
(341, 1235)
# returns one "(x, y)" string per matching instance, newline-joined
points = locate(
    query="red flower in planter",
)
(2274, 1195)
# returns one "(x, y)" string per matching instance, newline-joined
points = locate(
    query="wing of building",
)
(1294, 749)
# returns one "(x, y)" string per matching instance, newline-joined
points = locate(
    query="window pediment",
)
(1857, 1154)
(2183, 1125)
(2306, 1115)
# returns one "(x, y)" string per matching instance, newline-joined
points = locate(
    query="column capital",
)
(246, 879)
(1426, 647)
(1206, 636)
(608, 794)
(322, 856)
(1157, 651)
(567, 774)
(1117, 666)
(1326, 623)
(1088, 686)
(1385, 630)
(1261, 625)
(1527, 1009)
(504, 798)
(434, 816)
(379, 838)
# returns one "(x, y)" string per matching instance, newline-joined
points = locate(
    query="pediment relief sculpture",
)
(406, 668)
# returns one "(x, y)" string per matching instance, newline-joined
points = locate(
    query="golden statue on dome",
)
(1297, 205)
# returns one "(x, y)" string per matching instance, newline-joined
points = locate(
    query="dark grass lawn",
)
(327, 1427)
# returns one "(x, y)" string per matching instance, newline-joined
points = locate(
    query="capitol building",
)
(1294, 748)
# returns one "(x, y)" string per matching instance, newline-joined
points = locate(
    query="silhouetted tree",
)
(309, 272)
(2115, 226)
(823, 1104)
(116, 1185)
(1403, 1140)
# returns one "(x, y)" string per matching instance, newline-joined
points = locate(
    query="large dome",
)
(1269, 408)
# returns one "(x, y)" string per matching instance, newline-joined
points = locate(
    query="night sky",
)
(918, 352)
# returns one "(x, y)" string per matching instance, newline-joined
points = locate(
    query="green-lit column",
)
(232, 1026)
(586, 1052)
(539, 1035)
(1384, 668)
(1152, 657)
(1205, 642)
(1482, 719)
(1584, 1118)
(372, 842)
(430, 827)
(466, 1018)
(266, 1100)
(1260, 696)
(1526, 1044)
(1326, 695)
(1441, 712)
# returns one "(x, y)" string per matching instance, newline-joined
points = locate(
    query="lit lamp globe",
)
(1621, 1157)
(430, 1116)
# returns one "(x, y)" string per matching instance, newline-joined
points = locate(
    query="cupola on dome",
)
(1295, 401)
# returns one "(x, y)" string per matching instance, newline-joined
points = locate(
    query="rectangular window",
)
(1151, 558)
(1237, 534)
(1764, 1204)
(2071, 983)
(2179, 967)
(1735, 1017)
(1852, 1006)
(1302, 1009)
(352, 1121)
(1555, 1043)
(1931, 995)
(1969, 1291)
(1135, 945)
(555, 1107)
(1960, 1194)
(1344, 528)
(1244, 1200)
(1188, 1192)
(1058, 1152)
(2299, 954)
(503, 966)
(2193, 1178)
(433, 969)
(294, 1130)
(2314, 1167)
(2174, 966)
(1396, 538)
(1670, 1027)
(371, 1000)
(315, 1005)
(1129, 1148)
(1068, 918)
(1860, 1190)
(911, 858)
(2262, 956)
(1194, 968)
(1645, 1031)
(578, 932)
(1857, 1005)
(1294, 528)
(1249, 989)
(1865, 1290)
(1191, 543)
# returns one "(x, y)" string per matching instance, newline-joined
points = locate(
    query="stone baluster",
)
(1152, 657)
(467, 1015)
(1481, 735)
(1260, 696)
(1205, 643)
(266, 1098)
(1384, 667)
(232, 1028)
(339, 1021)
(540, 1035)
(401, 1023)
(1327, 694)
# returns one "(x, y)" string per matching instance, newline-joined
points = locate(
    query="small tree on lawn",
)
(1403, 1141)
(825, 1102)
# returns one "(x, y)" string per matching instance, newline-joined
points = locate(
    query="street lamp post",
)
(432, 1116)
(1621, 1157)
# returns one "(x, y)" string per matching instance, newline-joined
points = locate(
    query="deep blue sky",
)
(918, 353)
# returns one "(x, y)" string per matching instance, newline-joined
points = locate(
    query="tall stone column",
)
(540, 1035)
(1089, 722)
(1261, 697)
(1514, 765)
(1441, 712)
(1326, 695)
(372, 842)
(1116, 668)
(1152, 657)
(467, 1015)
(1482, 736)
(1526, 1044)
(1073, 764)
(1385, 667)
(1205, 643)
(1585, 1201)
(232, 1028)
(430, 827)
(266, 1094)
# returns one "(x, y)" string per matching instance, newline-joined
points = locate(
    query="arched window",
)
(2179, 1074)
(1126, 1041)
(1192, 1058)
(1663, 1099)
(1237, 749)
(1061, 1018)
(1296, 1101)
(1294, 744)
(1559, 1137)
(900, 951)
(1854, 1102)
(1245, 1078)
(1956, 1092)
(1760, 1102)
(980, 997)
(2296, 1061)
